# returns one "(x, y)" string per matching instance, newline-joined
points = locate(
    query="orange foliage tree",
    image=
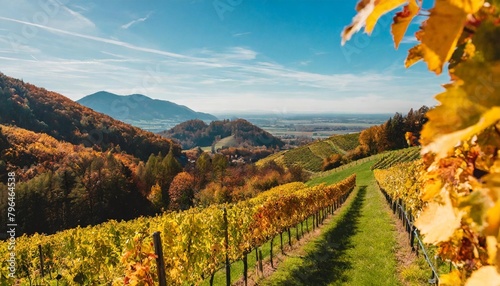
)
(181, 191)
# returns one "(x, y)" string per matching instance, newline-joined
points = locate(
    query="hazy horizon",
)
(267, 113)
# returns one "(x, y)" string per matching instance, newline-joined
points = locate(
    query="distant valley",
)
(141, 111)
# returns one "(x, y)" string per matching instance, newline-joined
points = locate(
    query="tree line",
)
(399, 131)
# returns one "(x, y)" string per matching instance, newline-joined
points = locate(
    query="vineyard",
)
(324, 149)
(401, 182)
(345, 142)
(446, 192)
(357, 246)
(400, 187)
(195, 243)
(303, 156)
(399, 156)
(311, 156)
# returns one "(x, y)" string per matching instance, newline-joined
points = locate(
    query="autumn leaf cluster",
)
(461, 140)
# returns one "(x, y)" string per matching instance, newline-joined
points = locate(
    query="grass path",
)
(356, 248)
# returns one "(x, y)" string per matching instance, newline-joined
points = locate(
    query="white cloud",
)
(94, 38)
(81, 8)
(241, 34)
(229, 54)
(53, 13)
(234, 78)
(258, 87)
(237, 62)
(136, 21)
(77, 19)
(239, 53)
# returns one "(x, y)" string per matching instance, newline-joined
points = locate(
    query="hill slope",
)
(39, 110)
(242, 133)
(60, 185)
(138, 107)
(311, 156)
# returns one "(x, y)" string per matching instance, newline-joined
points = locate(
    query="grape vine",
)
(122, 253)
(461, 159)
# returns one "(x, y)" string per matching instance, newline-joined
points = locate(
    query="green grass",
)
(417, 274)
(356, 248)
(331, 177)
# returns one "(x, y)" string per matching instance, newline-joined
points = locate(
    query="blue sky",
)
(218, 56)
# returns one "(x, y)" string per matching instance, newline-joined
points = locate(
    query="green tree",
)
(168, 169)
(202, 170)
(219, 165)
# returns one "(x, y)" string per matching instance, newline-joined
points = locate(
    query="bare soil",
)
(404, 254)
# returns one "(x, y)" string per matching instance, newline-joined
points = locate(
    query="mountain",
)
(138, 107)
(236, 133)
(36, 109)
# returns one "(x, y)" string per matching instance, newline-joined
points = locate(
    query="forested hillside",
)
(74, 166)
(195, 133)
(39, 110)
(61, 185)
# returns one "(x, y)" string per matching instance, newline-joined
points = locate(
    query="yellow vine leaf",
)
(441, 33)
(364, 8)
(441, 145)
(492, 248)
(485, 276)
(381, 7)
(476, 204)
(469, 6)
(432, 187)
(369, 11)
(434, 217)
(415, 54)
(468, 107)
(493, 219)
(451, 279)
(402, 20)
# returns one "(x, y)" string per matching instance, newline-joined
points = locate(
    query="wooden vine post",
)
(41, 259)
(160, 262)
(226, 246)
